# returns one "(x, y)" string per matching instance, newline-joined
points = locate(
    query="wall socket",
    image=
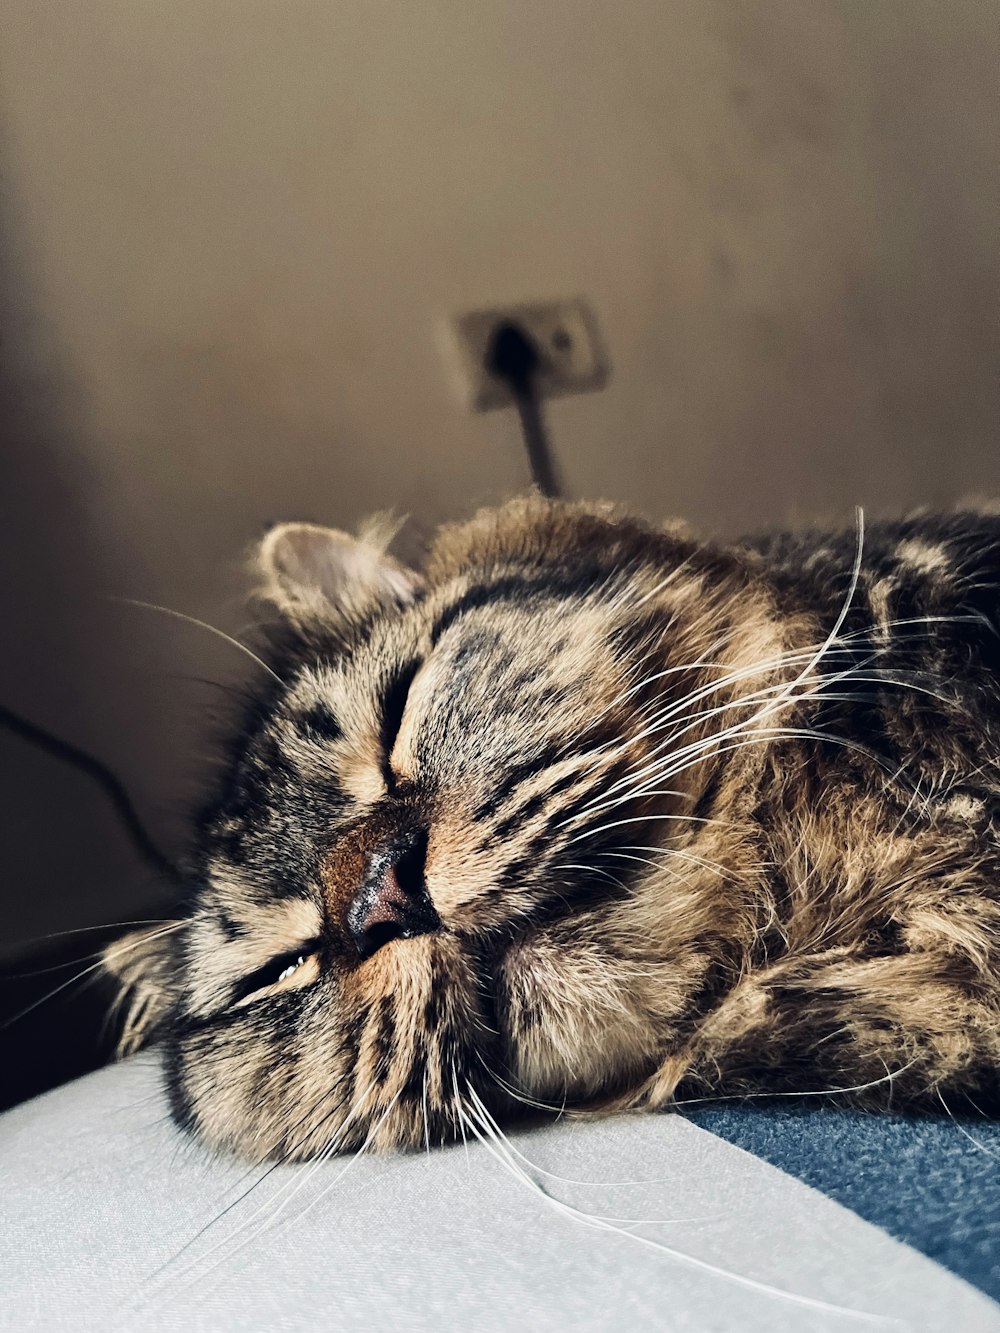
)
(571, 351)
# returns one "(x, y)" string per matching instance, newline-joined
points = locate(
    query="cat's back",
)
(927, 559)
(916, 659)
(929, 583)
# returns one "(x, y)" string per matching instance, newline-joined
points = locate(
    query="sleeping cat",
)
(589, 815)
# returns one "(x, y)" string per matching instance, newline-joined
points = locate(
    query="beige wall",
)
(230, 231)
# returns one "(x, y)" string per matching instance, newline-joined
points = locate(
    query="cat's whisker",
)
(55, 967)
(650, 818)
(358, 1154)
(690, 721)
(91, 930)
(456, 1106)
(426, 1112)
(779, 688)
(88, 971)
(217, 1217)
(503, 1139)
(513, 1092)
(661, 768)
(669, 852)
(491, 1138)
(596, 870)
(773, 733)
(678, 707)
(683, 668)
(820, 690)
(202, 624)
(668, 768)
(826, 646)
(237, 1240)
(786, 658)
(888, 1078)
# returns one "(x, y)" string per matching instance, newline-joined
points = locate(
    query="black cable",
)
(513, 357)
(112, 786)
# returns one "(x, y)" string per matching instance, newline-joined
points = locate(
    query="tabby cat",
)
(590, 815)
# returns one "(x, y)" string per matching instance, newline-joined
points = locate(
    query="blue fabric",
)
(931, 1182)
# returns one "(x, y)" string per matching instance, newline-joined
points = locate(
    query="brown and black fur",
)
(688, 820)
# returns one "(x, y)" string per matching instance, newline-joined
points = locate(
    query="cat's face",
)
(438, 869)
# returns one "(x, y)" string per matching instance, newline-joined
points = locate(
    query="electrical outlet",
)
(571, 353)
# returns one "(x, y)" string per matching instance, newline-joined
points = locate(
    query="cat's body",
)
(591, 815)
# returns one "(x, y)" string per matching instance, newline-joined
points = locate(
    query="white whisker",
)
(489, 1136)
(202, 624)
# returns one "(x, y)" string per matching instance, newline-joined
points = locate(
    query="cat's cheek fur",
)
(585, 1019)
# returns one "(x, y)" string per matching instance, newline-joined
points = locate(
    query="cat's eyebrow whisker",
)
(829, 643)
(678, 707)
(637, 819)
(687, 819)
(783, 732)
(821, 689)
(789, 658)
(691, 720)
(700, 663)
(759, 736)
(597, 870)
(666, 851)
(707, 743)
(56, 967)
(201, 624)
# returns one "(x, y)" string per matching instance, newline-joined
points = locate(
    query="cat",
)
(589, 815)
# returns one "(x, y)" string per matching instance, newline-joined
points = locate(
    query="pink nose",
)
(392, 901)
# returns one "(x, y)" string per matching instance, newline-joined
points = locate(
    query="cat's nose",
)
(392, 902)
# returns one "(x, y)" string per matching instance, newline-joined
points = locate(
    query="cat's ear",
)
(311, 573)
(143, 966)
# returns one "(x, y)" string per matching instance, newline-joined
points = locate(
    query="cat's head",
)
(451, 859)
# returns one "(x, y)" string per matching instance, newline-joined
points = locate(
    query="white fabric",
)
(99, 1192)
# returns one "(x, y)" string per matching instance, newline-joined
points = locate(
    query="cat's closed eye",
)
(393, 708)
(296, 968)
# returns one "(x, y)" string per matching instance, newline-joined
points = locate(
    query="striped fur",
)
(681, 841)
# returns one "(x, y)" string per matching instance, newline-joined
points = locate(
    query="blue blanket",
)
(932, 1182)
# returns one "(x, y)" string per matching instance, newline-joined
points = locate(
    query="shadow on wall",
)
(59, 840)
